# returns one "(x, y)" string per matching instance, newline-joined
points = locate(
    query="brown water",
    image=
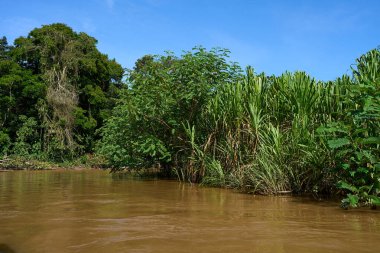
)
(93, 211)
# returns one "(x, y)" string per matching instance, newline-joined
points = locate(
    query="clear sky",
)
(320, 37)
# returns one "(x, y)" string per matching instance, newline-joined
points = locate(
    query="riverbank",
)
(26, 163)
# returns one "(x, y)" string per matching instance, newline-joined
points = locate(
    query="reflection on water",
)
(93, 211)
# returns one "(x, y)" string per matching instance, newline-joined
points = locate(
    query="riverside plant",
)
(261, 130)
(354, 138)
(264, 134)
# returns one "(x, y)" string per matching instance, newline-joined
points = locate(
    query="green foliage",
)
(214, 174)
(19, 92)
(5, 143)
(355, 137)
(57, 77)
(262, 132)
(27, 141)
(241, 131)
(146, 128)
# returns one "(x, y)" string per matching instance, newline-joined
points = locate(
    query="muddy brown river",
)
(93, 211)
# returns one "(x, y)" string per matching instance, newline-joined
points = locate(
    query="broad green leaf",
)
(330, 130)
(370, 140)
(375, 200)
(337, 143)
(347, 186)
(363, 170)
(354, 200)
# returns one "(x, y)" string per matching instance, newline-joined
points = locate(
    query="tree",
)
(19, 92)
(166, 92)
(79, 85)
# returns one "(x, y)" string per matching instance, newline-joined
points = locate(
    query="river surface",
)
(94, 211)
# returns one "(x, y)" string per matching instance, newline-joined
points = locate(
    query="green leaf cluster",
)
(354, 137)
(58, 79)
(165, 91)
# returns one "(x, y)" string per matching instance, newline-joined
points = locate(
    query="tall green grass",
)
(259, 133)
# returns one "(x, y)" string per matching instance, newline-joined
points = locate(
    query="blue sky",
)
(320, 37)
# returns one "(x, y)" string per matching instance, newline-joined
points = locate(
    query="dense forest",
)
(196, 117)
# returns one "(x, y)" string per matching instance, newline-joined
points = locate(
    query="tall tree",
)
(80, 85)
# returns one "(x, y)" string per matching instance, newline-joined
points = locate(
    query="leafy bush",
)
(355, 137)
(27, 141)
(146, 128)
(5, 143)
